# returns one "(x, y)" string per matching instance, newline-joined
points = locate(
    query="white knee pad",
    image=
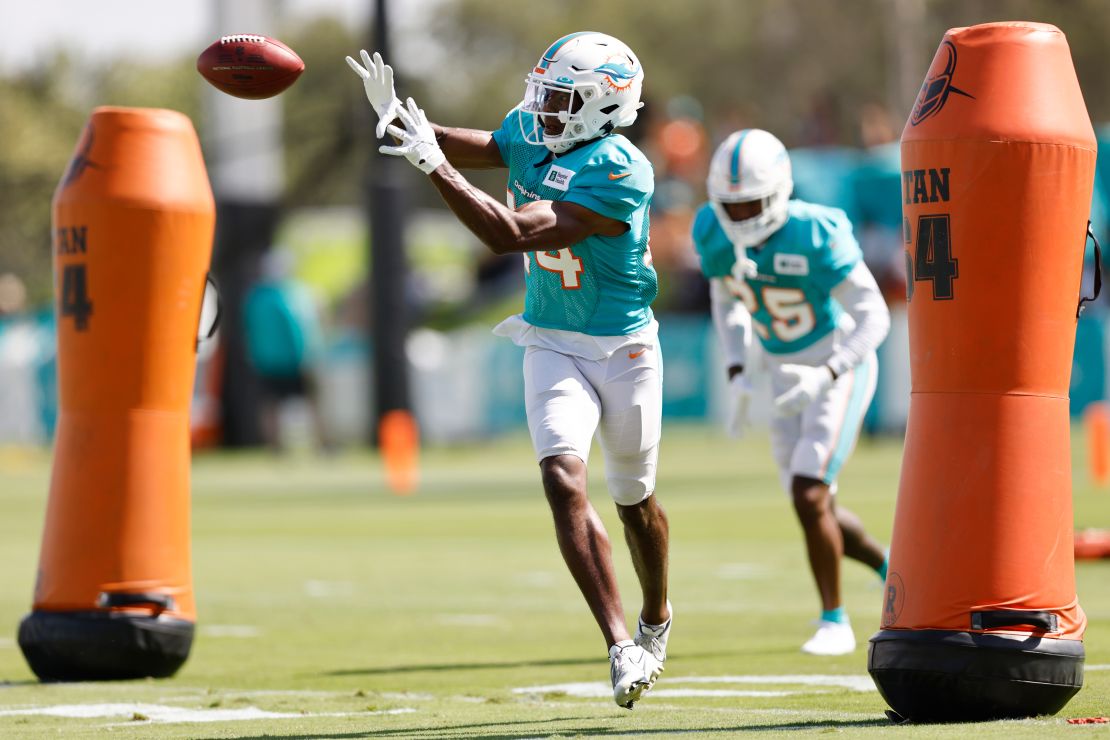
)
(630, 480)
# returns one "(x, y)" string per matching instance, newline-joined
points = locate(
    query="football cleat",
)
(831, 638)
(633, 671)
(653, 638)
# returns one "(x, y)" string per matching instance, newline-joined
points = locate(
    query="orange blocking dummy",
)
(980, 616)
(132, 238)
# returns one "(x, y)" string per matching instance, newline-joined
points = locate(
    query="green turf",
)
(323, 596)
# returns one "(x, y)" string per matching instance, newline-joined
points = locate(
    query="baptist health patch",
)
(791, 264)
(558, 178)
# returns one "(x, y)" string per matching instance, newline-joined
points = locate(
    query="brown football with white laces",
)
(250, 66)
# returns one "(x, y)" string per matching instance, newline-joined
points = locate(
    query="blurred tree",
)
(785, 65)
(323, 156)
(38, 129)
(768, 59)
(45, 108)
(40, 121)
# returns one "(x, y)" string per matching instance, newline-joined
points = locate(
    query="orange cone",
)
(399, 441)
(133, 224)
(1097, 418)
(980, 618)
(1092, 544)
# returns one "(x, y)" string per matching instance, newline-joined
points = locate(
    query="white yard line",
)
(854, 682)
(600, 690)
(228, 693)
(160, 713)
(741, 693)
(671, 684)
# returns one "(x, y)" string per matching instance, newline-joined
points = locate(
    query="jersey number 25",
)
(791, 315)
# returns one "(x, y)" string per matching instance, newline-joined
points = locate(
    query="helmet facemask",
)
(755, 230)
(745, 233)
(556, 112)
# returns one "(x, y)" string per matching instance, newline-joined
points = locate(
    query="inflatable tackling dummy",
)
(980, 616)
(132, 237)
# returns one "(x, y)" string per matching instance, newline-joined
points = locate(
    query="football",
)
(250, 66)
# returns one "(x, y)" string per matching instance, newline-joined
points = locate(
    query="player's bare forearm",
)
(468, 148)
(499, 228)
(542, 225)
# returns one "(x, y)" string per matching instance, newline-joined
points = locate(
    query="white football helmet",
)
(585, 85)
(750, 165)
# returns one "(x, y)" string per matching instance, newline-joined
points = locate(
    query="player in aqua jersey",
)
(577, 211)
(793, 272)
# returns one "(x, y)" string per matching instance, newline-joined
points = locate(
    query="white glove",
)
(743, 268)
(377, 78)
(739, 397)
(418, 140)
(807, 384)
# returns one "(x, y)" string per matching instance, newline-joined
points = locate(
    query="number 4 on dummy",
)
(933, 260)
(75, 296)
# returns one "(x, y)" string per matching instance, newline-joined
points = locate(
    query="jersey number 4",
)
(932, 260)
(563, 262)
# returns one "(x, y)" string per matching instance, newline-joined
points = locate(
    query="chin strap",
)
(559, 147)
(562, 147)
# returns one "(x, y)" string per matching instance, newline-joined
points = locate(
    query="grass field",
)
(329, 608)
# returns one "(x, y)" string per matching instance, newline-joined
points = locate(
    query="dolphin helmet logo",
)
(936, 89)
(620, 74)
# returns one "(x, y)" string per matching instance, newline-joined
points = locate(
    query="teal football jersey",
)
(602, 286)
(790, 298)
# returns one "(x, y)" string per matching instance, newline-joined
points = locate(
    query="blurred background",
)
(314, 346)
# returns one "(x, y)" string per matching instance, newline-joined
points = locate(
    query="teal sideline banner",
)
(479, 392)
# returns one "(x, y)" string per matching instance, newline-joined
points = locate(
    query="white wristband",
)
(431, 157)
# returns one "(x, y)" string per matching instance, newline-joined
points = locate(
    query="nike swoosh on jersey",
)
(634, 355)
(615, 176)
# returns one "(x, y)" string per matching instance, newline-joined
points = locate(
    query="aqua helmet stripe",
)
(548, 56)
(735, 171)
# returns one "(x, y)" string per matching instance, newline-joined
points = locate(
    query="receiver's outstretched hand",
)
(377, 78)
(418, 140)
